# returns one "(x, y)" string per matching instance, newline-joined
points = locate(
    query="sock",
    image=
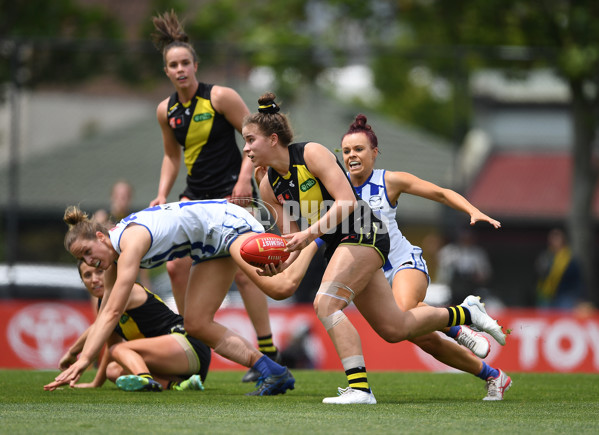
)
(145, 375)
(357, 379)
(458, 315)
(172, 385)
(488, 372)
(454, 331)
(268, 367)
(267, 347)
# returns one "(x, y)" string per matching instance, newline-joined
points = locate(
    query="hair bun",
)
(270, 107)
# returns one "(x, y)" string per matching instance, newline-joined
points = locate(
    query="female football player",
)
(405, 268)
(312, 197)
(210, 232)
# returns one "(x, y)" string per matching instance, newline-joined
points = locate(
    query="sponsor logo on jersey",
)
(172, 109)
(307, 185)
(202, 117)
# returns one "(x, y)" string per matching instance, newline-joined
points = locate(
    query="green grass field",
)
(408, 403)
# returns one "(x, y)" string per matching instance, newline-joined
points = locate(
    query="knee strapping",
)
(333, 320)
(337, 290)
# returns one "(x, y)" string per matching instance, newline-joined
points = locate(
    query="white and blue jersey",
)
(403, 255)
(200, 229)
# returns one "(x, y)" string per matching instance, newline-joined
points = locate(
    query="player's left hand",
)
(297, 241)
(478, 216)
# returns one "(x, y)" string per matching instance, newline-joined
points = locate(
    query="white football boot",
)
(349, 396)
(481, 321)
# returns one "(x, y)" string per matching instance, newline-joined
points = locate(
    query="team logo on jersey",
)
(202, 117)
(375, 201)
(307, 185)
(176, 121)
(282, 197)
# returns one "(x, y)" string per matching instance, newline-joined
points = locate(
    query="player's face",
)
(257, 146)
(358, 154)
(180, 67)
(96, 253)
(93, 279)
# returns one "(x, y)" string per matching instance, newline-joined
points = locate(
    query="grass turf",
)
(407, 403)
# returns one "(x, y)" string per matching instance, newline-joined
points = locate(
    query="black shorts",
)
(188, 194)
(203, 352)
(373, 234)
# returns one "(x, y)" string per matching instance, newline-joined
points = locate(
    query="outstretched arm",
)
(100, 377)
(404, 182)
(135, 241)
(71, 355)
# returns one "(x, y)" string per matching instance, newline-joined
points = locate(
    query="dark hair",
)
(360, 125)
(80, 226)
(169, 34)
(269, 120)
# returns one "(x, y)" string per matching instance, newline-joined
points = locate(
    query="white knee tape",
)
(333, 320)
(336, 290)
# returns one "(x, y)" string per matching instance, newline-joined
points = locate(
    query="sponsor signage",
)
(35, 334)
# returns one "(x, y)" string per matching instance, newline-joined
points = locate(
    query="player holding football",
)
(210, 232)
(405, 268)
(305, 180)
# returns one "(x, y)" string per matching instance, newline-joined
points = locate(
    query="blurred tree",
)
(30, 28)
(558, 34)
(298, 39)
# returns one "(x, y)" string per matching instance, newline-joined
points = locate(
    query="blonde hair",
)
(80, 226)
(170, 34)
(269, 120)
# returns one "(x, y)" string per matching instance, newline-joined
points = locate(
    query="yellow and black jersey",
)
(306, 199)
(211, 154)
(154, 318)
(151, 319)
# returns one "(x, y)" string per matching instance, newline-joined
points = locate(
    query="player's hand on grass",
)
(69, 376)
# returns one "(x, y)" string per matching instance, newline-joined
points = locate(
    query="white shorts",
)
(411, 260)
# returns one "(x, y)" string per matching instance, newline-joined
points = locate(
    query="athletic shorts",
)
(410, 260)
(198, 354)
(373, 235)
